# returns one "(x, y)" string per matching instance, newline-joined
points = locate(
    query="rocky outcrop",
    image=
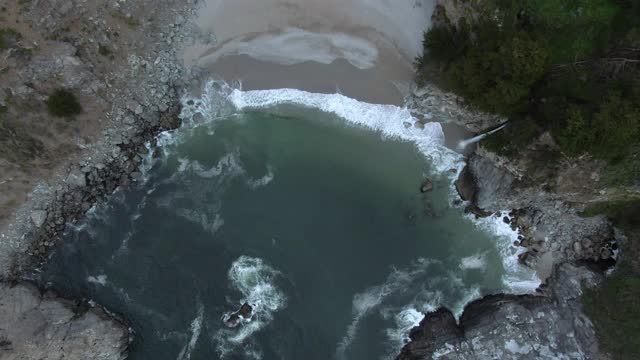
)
(545, 193)
(549, 222)
(121, 61)
(234, 319)
(124, 71)
(35, 326)
(429, 103)
(546, 326)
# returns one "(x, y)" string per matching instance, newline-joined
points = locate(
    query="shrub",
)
(8, 37)
(615, 127)
(446, 43)
(63, 103)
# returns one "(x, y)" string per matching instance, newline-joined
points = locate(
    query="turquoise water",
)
(318, 224)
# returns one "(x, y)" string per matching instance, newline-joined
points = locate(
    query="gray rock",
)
(577, 248)
(77, 178)
(466, 185)
(135, 107)
(513, 327)
(36, 326)
(445, 106)
(38, 217)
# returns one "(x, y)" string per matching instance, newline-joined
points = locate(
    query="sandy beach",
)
(362, 49)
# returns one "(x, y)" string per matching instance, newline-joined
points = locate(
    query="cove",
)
(315, 221)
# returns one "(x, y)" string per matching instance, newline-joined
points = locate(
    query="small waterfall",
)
(464, 143)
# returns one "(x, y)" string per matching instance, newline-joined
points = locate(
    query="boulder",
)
(466, 185)
(38, 217)
(234, 319)
(44, 326)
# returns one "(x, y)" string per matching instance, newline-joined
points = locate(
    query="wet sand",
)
(375, 85)
(399, 22)
(363, 49)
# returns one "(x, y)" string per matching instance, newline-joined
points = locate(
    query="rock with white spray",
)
(234, 319)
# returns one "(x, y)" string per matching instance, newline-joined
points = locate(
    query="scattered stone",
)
(77, 179)
(577, 248)
(474, 209)
(38, 217)
(136, 175)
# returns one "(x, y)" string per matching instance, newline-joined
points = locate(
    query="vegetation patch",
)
(63, 103)
(615, 312)
(104, 50)
(3, 110)
(8, 37)
(571, 68)
(568, 67)
(614, 307)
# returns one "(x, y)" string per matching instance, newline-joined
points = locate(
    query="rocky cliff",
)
(550, 325)
(119, 59)
(43, 326)
(546, 196)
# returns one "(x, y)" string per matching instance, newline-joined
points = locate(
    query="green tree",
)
(501, 79)
(615, 127)
(576, 138)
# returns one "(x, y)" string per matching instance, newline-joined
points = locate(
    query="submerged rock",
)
(427, 185)
(244, 313)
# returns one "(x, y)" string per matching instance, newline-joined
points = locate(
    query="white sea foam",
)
(469, 296)
(294, 46)
(365, 302)
(261, 182)
(209, 223)
(474, 262)
(228, 165)
(196, 328)
(255, 280)
(517, 279)
(405, 320)
(98, 280)
(389, 120)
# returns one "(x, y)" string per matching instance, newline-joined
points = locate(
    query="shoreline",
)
(129, 89)
(112, 161)
(115, 161)
(62, 324)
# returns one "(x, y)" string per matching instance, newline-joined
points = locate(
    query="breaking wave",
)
(255, 280)
(474, 262)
